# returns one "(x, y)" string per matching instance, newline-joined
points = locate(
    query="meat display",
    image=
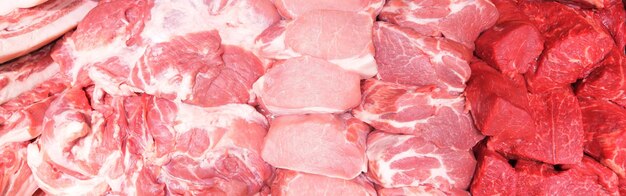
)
(325, 97)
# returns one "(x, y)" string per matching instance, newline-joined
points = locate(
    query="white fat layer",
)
(8, 6)
(276, 48)
(364, 65)
(16, 135)
(16, 87)
(24, 42)
(190, 116)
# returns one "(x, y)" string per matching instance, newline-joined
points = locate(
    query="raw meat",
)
(28, 85)
(546, 127)
(613, 18)
(608, 82)
(207, 150)
(307, 85)
(9, 6)
(418, 191)
(494, 175)
(458, 20)
(26, 30)
(99, 143)
(25, 73)
(151, 47)
(513, 44)
(79, 150)
(294, 8)
(407, 57)
(343, 38)
(287, 183)
(427, 112)
(406, 160)
(15, 176)
(533, 178)
(493, 99)
(336, 141)
(21, 118)
(562, 61)
(605, 133)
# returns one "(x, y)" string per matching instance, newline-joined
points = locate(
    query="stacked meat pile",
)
(326, 97)
(549, 96)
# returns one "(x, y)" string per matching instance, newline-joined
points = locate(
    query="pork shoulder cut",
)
(458, 20)
(404, 56)
(427, 112)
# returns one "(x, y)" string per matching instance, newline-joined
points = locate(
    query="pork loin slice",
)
(336, 142)
(293, 8)
(292, 183)
(341, 37)
(307, 85)
(25, 30)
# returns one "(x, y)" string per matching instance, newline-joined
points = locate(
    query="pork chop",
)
(307, 85)
(292, 183)
(290, 9)
(336, 142)
(341, 37)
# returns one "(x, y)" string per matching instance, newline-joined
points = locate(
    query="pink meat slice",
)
(561, 63)
(458, 20)
(150, 47)
(407, 57)
(340, 37)
(26, 30)
(292, 183)
(426, 112)
(336, 141)
(294, 8)
(406, 160)
(15, 175)
(307, 85)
